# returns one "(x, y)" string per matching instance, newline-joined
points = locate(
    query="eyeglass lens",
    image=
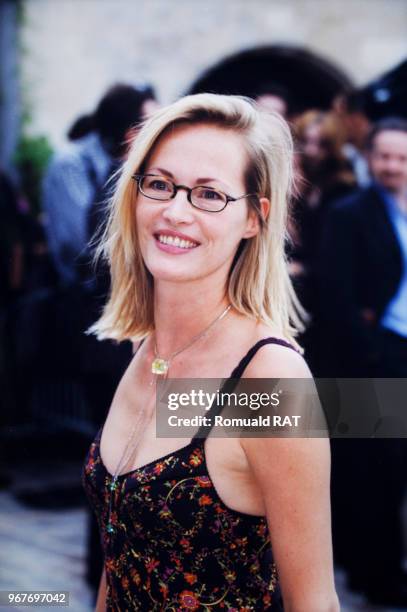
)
(161, 188)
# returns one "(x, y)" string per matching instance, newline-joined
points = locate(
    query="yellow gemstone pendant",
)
(159, 366)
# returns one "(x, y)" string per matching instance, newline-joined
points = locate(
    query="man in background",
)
(364, 309)
(364, 265)
(77, 173)
(350, 110)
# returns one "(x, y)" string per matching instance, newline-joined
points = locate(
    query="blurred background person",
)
(23, 263)
(363, 277)
(76, 174)
(325, 175)
(11, 283)
(273, 97)
(351, 112)
(364, 321)
(74, 185)
(11, 242)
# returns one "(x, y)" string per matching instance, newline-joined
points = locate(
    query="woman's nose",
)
(179, 210)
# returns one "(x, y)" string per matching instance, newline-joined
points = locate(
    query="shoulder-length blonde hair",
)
(258, 284)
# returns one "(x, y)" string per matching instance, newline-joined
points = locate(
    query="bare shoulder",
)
(277, 361)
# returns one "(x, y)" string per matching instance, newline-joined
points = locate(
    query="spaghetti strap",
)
(230, 383)
(244, 362)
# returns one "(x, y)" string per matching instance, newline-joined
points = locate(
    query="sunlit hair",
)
(258, 285)
(333, 134)
(334, 165)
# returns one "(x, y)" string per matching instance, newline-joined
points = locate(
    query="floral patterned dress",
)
(172, 544)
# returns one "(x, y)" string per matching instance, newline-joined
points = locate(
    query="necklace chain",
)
(160, 366)
(130, 449)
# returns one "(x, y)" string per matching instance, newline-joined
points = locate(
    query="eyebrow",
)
(199, 180)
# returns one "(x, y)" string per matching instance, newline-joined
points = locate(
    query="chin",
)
(172, 273)
(391, 187)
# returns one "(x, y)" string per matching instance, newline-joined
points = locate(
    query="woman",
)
(200, 276)
(327, 176)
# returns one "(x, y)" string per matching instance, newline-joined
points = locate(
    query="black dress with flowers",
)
(174, 544)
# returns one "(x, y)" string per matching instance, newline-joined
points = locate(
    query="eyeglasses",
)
(162, 189)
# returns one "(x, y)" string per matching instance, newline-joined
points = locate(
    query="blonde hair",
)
(333, 138)
(258, 285)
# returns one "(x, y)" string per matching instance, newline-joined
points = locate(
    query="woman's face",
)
(179, 242)
(312, 145)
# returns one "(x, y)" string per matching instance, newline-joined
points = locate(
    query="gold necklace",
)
(127, 455)
(159, 367)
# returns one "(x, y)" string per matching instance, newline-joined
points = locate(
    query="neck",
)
(182, 311)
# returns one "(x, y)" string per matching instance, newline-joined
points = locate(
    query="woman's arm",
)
(294, 477)
(101, 598)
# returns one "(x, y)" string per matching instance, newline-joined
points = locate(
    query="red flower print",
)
(125, 582)
(176, 560)
(110, 565)
(186, 545)
(159, 467)
(135, 576)
(203, 481)
(205, 500)
(190, 578)
(151, 565)
(188, 601)
(196, 458)
(241, 541)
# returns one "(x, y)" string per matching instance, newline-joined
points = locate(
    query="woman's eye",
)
(209, 194)
(159, 185)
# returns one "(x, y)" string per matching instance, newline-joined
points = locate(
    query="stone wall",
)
(74, 49)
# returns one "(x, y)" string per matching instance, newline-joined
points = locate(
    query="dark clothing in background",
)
(361, 270)
(10, 234)
(309, 223)
(70, 184)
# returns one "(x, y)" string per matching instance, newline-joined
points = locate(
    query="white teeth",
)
(176, 241)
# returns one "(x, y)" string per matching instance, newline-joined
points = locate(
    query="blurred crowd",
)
(347, 253)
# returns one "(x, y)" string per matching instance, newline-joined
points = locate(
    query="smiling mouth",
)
(175, 241)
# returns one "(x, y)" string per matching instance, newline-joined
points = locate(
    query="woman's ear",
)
(253, 221)
(265, 206)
